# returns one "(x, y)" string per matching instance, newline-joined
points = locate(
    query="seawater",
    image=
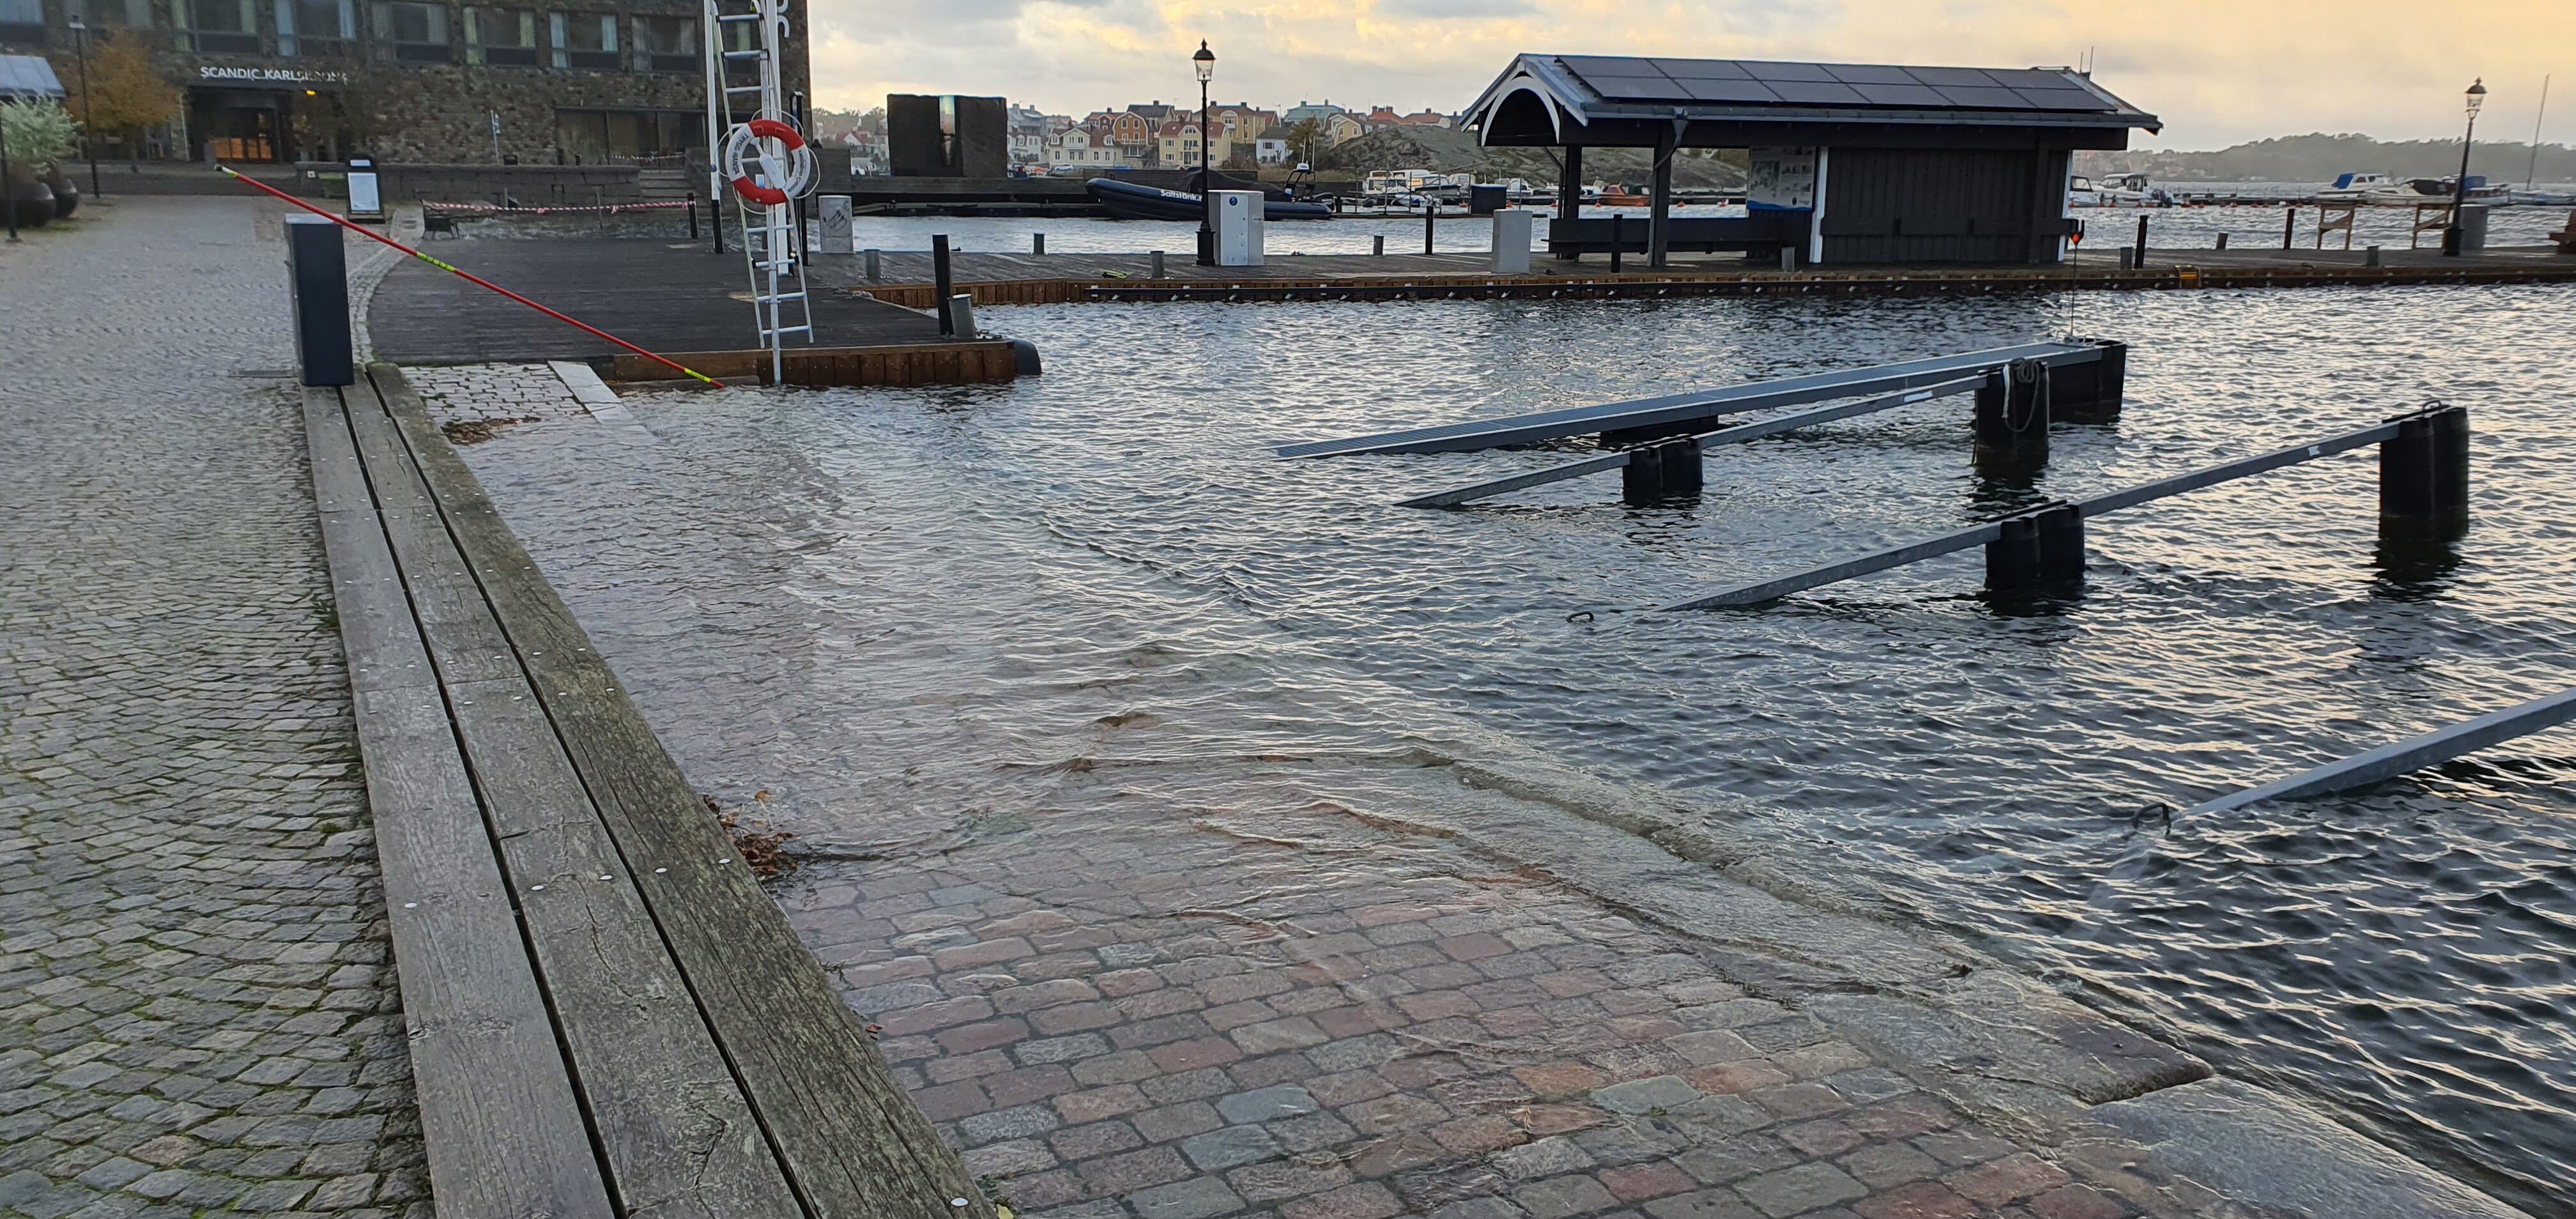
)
(908, 609)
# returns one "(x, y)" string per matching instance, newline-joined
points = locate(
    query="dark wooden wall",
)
(1921, 205)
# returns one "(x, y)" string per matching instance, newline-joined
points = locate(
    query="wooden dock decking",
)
(1034, 279)
(607, 1015)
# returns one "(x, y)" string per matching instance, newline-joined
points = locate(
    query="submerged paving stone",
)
(192, 944)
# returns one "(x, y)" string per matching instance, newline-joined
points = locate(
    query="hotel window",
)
(317, 29)
(585, 40)
(103, 15)
(501, 37)
(417, 32)
(670, 44)
(216, 27)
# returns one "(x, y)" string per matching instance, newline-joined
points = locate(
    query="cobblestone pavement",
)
(1124, 1001)
(197, 1010)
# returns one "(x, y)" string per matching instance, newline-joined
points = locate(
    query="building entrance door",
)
(233, 125)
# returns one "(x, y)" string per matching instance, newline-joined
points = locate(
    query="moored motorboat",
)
(1129, 201)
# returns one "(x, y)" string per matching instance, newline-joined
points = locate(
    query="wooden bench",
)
(2566, 238)
(607, 1014)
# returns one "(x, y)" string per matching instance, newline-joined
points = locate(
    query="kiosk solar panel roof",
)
(1761, 82)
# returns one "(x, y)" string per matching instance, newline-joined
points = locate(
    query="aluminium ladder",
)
(770, 256)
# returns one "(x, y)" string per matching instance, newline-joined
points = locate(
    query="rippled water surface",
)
(1101, 576)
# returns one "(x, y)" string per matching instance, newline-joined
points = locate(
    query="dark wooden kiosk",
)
(1853, 163)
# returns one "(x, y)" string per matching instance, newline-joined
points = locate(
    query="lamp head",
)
(2477, 95)
(1205, 62)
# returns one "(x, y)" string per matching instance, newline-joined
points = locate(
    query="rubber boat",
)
(1129, 201)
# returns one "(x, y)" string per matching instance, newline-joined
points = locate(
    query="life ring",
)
(743, 149)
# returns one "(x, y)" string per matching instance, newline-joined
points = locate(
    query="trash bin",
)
(1487, 200)
(2473, 227)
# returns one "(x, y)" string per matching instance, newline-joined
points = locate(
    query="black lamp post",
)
(2452, 234)
(1205, 62)
(89, 104)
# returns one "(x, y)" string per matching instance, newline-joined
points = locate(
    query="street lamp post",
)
(1205, 62)
(2452, 234)
(89, 104)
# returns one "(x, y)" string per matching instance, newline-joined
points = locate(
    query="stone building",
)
(418, 81)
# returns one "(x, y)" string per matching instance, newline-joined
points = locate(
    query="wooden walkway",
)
(1015, 279)
(607, 1015)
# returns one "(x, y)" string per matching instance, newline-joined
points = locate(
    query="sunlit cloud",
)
(2218, 71)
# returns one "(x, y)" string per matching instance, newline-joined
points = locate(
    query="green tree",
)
(1307, 140)
(127, 95)
(39, 134)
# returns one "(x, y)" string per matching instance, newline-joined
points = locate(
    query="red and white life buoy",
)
(744, 148)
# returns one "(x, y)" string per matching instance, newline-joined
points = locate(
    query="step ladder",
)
(748, 32)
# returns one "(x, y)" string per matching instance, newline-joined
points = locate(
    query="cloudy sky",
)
(2217, 71)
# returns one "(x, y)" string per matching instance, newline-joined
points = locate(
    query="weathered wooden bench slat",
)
(668, 1116)
(854, 1144)
(503, 1130)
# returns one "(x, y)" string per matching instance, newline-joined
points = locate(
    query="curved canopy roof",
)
(1549, 98)
(28, 76)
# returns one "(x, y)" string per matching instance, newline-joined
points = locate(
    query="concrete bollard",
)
(1511, 241)
(876, 271)
(1154, 264)
(2424, 474)
(1037, 243)
(960, 314)
(318, 284)
(832, 225)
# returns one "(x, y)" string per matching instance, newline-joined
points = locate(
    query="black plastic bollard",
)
(2012, 561)
(2140, 261)
(1615, 243)
(1641, 481)
(693, 215)
(941, 288)
(1677, 462)
(318, 283)
(2061, 545)
(2072, 400)
(2424, 473)
(2012, 415)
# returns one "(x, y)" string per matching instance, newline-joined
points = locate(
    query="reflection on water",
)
(900, 609)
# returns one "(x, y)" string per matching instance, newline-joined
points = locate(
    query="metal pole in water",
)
(2390, 761)
(939, 278)
(2141, 260)
(2290, 226)
(2222, 241)
(1430, 221)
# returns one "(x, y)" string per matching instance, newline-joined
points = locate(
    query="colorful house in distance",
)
(1176, 146)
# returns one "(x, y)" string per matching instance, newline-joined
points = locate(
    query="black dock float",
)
(1643, 419)
(2390, 761)
(2045, 545)
(1738, 434)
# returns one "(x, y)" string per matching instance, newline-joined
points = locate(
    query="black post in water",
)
(318, 282)
(1641, 481)
(2290, 227)
(1430, 226)
(2424, 474)
(2012, 560)
(2061, 545)
(940, 286)
(2222, 241)
(2141, 261)
(2012, 413)
(1615, 242)
(1678, 463)
(2076, 400)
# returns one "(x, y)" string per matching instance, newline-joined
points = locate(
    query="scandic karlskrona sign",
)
(282, 76)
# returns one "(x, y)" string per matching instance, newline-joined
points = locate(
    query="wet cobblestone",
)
(198, 1013)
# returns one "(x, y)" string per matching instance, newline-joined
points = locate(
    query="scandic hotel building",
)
(413, 81)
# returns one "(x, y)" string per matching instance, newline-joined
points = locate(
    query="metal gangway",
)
(763, 160)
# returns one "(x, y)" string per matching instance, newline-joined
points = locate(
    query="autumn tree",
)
(127, 94)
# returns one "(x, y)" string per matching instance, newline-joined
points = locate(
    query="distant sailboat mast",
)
(2531, 174)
